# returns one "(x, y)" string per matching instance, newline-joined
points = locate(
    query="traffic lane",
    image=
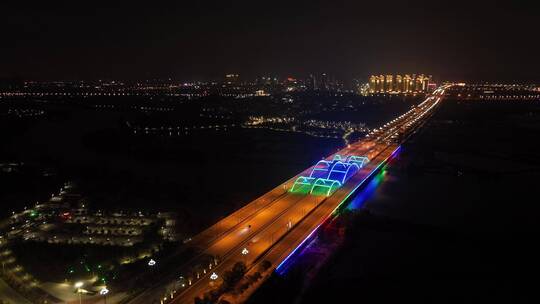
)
(204, 238)
(256, 245)
(155, 291)
(261, 242)
(259, 221)
(237, 240)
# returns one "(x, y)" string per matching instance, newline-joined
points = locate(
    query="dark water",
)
(452, 219)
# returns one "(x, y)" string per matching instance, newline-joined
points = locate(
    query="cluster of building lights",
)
(331, 129)
(180, 130)
(397, 84)
(497, 92)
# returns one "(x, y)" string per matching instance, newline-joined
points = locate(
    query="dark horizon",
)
(479, 41)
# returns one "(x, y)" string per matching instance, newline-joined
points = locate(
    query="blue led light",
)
(321, 169)
(341, 172)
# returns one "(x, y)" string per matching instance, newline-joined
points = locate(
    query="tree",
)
(239, 268)
(265, 265)
(255, 277)
(228, 279)
(231, 277)
(197, 300)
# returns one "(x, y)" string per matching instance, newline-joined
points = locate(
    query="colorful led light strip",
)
(337, 207)
(330, 184)
(337, 157)
(346, 168)
(367, 192)
(361, 160)
(302, 181)
(326, 165)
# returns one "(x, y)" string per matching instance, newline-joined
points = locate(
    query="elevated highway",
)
(274, 226)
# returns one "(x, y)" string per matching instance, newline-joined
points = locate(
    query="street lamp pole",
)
(104, 291)
(245, 251)
(213, 278)
(78, 285)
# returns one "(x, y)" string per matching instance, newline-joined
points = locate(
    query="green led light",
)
(324, 186)
(302, 185)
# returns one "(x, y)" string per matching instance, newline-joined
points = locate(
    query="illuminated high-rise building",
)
(381, 83)
(324, 83)
(418, 83)
(413, 83)
(373, 80)
(425, 83)
(398, 84)
(389, 84)
(407, 80)
(378, 84)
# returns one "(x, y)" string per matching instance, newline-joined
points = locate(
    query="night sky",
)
(203, 40)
